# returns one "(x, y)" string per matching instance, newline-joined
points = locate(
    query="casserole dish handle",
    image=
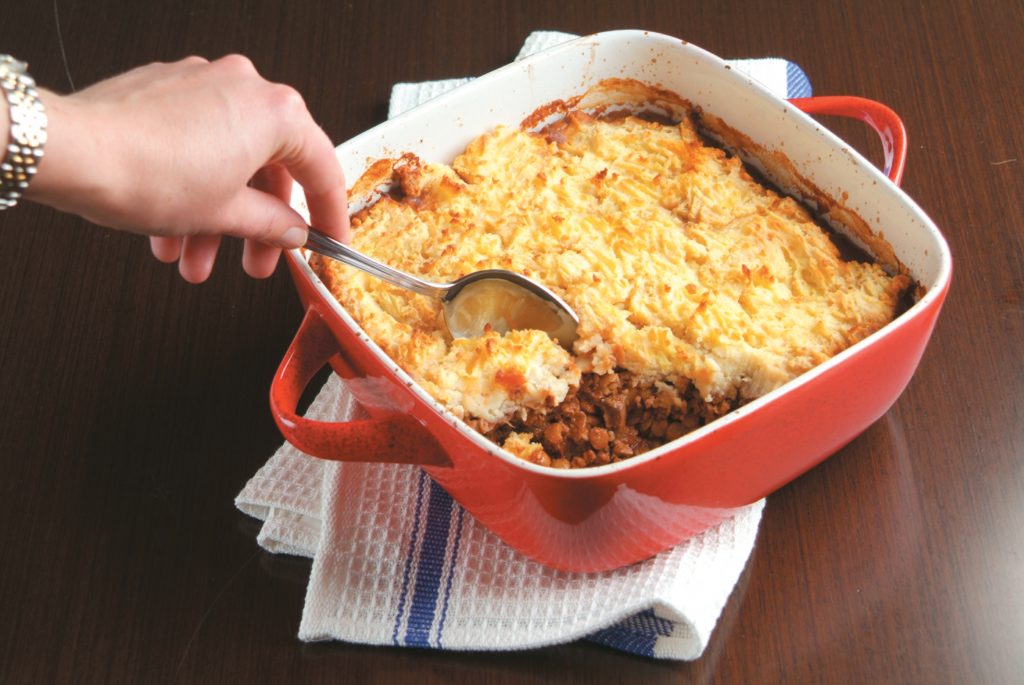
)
(886, 123)
(393, 437)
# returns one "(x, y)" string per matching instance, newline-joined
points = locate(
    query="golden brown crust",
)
(692, 282)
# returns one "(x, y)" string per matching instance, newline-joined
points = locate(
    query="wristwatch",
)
(28, 131)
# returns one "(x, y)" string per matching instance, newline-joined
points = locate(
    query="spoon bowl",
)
(490, 299)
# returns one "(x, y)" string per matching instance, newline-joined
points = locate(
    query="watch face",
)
(28, 123)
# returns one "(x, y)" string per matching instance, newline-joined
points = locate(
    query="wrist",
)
(70, 174)
(55, 168)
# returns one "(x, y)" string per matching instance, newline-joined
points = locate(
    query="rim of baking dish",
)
(935, 291)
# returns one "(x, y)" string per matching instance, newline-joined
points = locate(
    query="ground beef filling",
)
(611, 417)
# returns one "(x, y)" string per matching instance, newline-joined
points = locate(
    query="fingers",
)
(309, 157)
(259, 214)
(167, 250)
(255, 215)
(264, 220)
(195, 254)
(198, 253)
(259, 259)
(329, 212)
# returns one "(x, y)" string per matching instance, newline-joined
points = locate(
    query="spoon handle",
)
(327, 246)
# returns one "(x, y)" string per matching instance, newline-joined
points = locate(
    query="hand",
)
(188, 152)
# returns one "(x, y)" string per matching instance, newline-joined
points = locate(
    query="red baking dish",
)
(610, 516)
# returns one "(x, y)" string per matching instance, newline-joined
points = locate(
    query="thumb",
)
(255, 215)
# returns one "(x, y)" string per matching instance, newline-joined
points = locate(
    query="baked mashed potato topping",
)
(697, 288)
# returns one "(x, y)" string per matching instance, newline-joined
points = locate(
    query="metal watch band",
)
(28, 131)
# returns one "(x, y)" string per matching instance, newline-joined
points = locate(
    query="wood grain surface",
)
(134, 406)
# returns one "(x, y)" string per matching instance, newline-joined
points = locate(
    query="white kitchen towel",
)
(397, 562)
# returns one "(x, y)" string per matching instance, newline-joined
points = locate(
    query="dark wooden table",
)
(134, 406)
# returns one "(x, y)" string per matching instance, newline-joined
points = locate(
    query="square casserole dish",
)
(609, 516)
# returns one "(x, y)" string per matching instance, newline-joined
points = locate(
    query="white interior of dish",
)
(439, 130)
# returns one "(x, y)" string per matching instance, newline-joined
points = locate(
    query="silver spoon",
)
(502, 299)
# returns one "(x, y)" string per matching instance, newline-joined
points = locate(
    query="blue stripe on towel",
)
(637, 634)
(410, 555)
(797, 83)
(451, 574)
(433, 551)
(624, 641)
